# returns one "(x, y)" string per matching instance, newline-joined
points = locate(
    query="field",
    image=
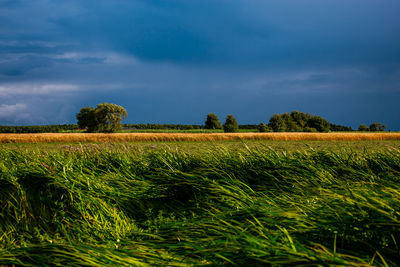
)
(185, 131)
(172, 137)
(200, 203)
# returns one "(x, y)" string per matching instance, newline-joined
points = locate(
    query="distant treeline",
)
(149, 126)
(74, 127)
(340, 128)
(304, 122)
(38, 128)
(142, 126)
(286, 122)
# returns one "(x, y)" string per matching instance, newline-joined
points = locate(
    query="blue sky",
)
(174, 61)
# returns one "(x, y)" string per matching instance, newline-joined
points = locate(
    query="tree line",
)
(152, 126)
(108, 118)
(373, 127)
(289, 122)
(38, 128)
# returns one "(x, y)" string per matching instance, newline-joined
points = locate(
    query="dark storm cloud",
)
(253, 33)
(175, 61)
(250, 32)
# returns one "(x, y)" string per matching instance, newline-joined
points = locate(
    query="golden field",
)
(171, 137)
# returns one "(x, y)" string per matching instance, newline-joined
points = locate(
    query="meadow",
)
(200, 203)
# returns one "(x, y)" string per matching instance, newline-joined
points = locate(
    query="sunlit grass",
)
(216, 147)
(254, 206)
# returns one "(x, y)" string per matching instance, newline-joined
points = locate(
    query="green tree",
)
(262, 127)
(302, 122)
(105, 118)
(277, 123)
(212, 122)
(109, 117)
(300, 118)
(363, 128)
(290, 124)
(341, 128)
(319, 123)
(231, 125)
(87, 119)
(376, 126)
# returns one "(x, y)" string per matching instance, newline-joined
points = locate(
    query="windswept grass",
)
(218, 147)
(257, 207)
(172, 137)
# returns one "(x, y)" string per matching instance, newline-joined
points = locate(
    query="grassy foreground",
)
(255, 207)
(217, 147)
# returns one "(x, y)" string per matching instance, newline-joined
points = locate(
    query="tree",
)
(105, 117)
(363, 128)
(212, 122)
(262, 127)
(277, 123)
(290, 124)
(300, 118)
(340, 128)
(231, 125)
(109, 117)
(376, 126)
(319, 123)
(87, 119)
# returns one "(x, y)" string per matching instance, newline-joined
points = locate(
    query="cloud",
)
(13, 112)
(226, 32)
(6, 110)
(29, 89)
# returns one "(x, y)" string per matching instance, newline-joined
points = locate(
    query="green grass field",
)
(200, 203)
(200, 147)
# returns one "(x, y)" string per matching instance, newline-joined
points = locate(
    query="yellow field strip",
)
(159, 137)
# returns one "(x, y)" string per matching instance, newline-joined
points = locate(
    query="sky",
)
(175, 61)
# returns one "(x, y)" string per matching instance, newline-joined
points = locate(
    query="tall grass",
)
(258, 207)
(158, 137)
